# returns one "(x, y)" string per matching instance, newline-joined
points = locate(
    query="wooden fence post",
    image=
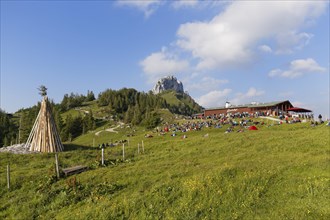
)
(56, 165)
(123, 152)
(102, 156)
(8, 176)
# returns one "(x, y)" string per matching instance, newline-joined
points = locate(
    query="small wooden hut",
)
(44, 136)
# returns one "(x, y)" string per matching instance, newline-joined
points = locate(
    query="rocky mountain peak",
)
(168, 83)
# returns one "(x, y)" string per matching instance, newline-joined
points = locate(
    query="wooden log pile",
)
(44, 136)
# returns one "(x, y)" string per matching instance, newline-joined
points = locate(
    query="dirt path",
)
(110, 129)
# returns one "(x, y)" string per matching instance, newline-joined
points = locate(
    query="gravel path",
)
(110, 129)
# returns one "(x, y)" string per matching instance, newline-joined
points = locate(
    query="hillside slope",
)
(85, 113)
(181, 102)
(277, 172)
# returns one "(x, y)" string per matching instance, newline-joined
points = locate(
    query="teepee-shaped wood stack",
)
(44, 136)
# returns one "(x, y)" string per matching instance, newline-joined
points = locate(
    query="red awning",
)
(296, 109)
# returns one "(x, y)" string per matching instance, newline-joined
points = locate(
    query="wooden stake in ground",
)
(56, 166)
(102, 156)
(123, 152)
(44, 136)
(8, 176)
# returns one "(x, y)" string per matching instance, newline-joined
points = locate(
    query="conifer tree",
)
(137, 117)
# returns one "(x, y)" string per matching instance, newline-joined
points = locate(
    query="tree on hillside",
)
(65, 133)
(130, 104)
(88, 122)
(151, 119)
(75, 126)
(137, 115)
(90, 96)
(129, 115)
(72, 101)
(58, 119)
(4, 131)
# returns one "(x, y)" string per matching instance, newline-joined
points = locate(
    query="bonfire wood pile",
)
(44, 136)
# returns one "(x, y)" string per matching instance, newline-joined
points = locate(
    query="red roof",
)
(296, 109)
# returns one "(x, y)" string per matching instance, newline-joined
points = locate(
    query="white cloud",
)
(265, 48)
(230, 37)
(218, 98)
(162, 64)
(298, 68)
(184, 4)
(206, 84)
(147, 7)
(286, 40)
(214, 98)
(275, 72)
(249, 96)
(253, 92)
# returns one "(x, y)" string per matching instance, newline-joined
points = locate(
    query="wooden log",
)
(32, 131)
(58, 146)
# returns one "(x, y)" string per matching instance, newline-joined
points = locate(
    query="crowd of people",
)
(219, 122)
(243, 120)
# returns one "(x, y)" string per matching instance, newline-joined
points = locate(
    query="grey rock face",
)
(168, 83)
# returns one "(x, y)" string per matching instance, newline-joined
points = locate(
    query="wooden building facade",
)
(271, 108)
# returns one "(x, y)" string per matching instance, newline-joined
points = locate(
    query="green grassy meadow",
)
(277, 172)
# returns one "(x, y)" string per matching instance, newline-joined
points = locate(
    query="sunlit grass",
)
(277, 172)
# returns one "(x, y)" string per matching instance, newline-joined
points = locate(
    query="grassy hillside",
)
(127, 105)
(277, 172)
(178, 99)
(98, 112)
(104, 112)
(170, 97)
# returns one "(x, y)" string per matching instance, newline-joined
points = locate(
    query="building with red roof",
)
(270, 108)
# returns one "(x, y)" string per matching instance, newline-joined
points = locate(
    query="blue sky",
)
(237, 51)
